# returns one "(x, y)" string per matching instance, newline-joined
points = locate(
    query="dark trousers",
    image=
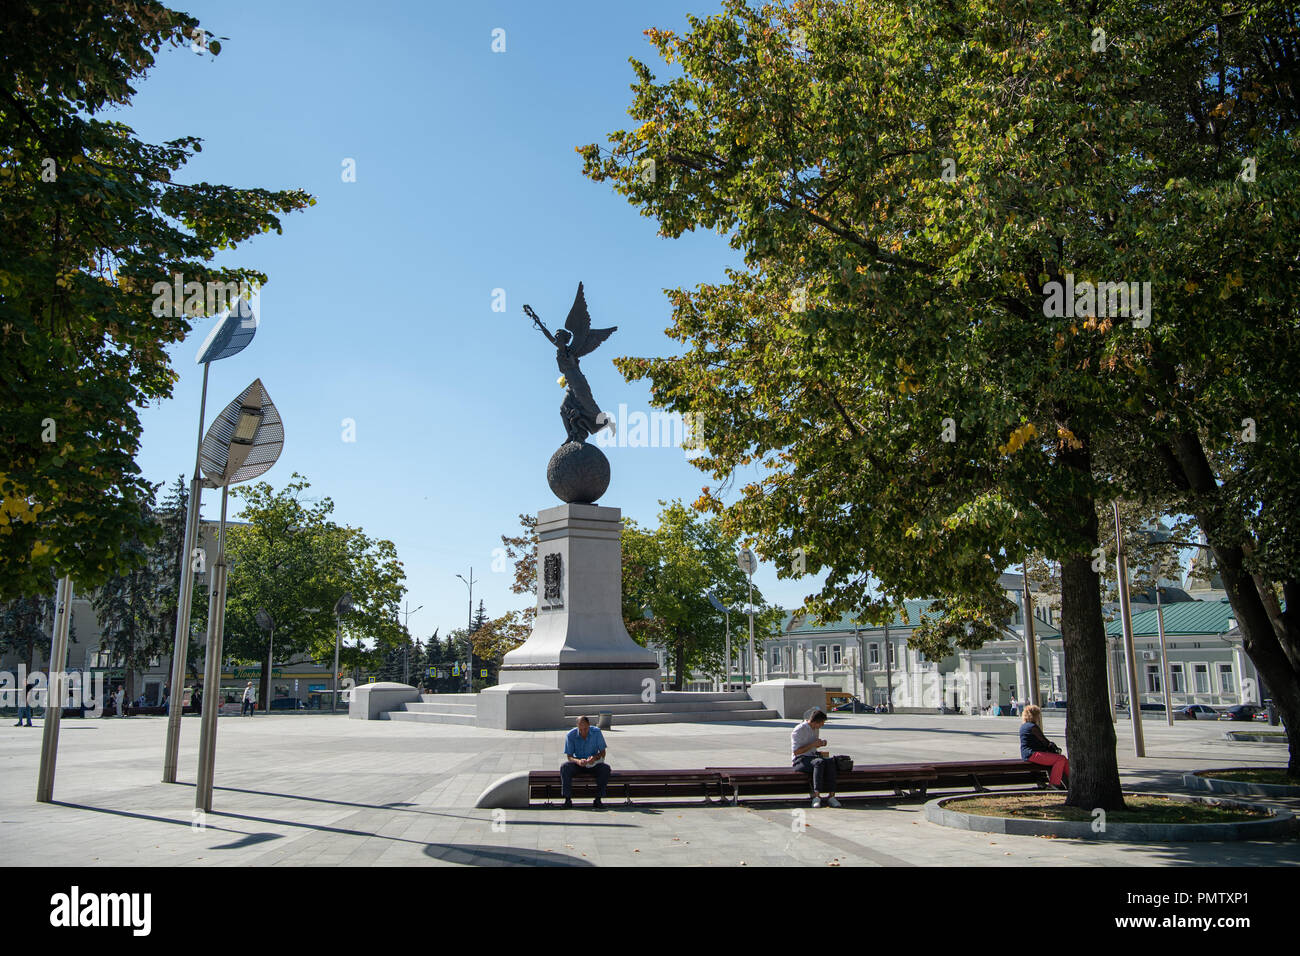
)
(24, 711)
(821, 768)
(601, 772)
(247, 708)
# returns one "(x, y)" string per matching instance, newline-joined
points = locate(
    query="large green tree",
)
(668, 573)
(909, 182)
(292, 560)
(91, 218)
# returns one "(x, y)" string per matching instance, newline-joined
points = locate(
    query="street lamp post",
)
(1126, 613)
(749, 564)
(244, 442)
(55, 691)
(1164, 658)
(889, 670)
(719, 606)
(230, 336)
(406, 624)
(341, 607)
(469, 630)
(267, 623)
(1034, 696)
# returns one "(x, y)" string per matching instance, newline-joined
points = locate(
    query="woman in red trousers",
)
(1036, 748)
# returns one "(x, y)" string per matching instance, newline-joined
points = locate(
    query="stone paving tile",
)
(329, 791)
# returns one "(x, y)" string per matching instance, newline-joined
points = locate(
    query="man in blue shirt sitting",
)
(584, 752)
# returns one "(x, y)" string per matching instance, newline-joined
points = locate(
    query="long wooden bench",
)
(546, 784)
(916, 779)
(729, 783)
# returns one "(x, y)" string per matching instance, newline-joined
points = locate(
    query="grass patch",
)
(1141, 808)
(1274, 775)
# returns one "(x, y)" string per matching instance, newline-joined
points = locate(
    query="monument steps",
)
(439, 709)
(661, 707)
(668, 707)
(663, 696)
(695, 717)
(424, 717)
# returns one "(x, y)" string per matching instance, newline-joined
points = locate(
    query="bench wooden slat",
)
(917, 777)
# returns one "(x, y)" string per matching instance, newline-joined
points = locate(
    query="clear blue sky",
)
(379, 303)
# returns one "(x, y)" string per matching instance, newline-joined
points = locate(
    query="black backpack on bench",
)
(843, 764)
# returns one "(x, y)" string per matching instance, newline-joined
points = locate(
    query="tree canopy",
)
(995, 259)
(91, 218)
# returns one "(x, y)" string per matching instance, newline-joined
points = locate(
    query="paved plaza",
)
(316, 790)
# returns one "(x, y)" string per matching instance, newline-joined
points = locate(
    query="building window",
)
(1201, 678)
(1226, 684)
(1176, 679)
(890, 646)
(776, 657)
(789, 660)
(821, 655)
(837, 655)
(1153, 678)
(873, 654)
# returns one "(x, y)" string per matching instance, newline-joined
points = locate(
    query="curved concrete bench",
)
(508, 793)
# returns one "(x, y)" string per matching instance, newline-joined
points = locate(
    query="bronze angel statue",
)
(579, 411)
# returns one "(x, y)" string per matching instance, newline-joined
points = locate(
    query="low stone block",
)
(374, 701)
(789, 698)
(521, 706)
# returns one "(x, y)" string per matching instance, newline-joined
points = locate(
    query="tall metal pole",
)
(181, 645)
(338, 637)
(469, 626)
(748, 670)
(270, 651)
(55, 690)
(730, 663)
(889, 673)
(1164, 659)
(1028, 607)
(212, 668)
(1134, 701)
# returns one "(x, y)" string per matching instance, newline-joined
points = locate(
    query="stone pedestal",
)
(790, 698)
(521, 707)
(374, 701)
(579, 643)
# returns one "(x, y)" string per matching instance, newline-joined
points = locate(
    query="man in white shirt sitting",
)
(806, 758)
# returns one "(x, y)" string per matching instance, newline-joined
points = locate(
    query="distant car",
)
(1054, 705)
(852, 705)
(1242, 712)
(288, 703)
(1196, 712)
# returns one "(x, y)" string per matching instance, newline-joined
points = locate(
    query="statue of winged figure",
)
(579, 411)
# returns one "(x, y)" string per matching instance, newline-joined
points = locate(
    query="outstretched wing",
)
(579, 321)
(585, 338)
(594, 338)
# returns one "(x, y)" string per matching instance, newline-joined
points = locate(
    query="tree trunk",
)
(1090, 727)
(1262, 642)
(679, 663)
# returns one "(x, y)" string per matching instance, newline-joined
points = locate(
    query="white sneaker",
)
(832, 802)
(817, 802)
